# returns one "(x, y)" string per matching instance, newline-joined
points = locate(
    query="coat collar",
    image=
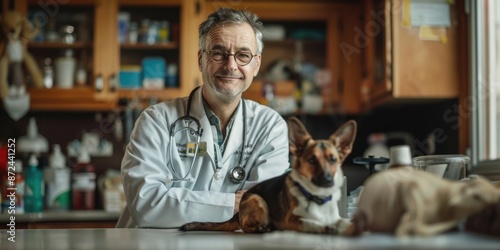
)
(235, 138)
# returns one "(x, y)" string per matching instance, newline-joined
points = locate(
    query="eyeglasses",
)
(220, 56)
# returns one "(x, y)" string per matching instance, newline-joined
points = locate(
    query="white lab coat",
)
(153, 202)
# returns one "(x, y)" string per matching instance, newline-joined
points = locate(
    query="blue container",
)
(154, 71)
(154, 68)
(130, 77)
(34, 189)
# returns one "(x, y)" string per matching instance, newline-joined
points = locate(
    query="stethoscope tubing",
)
(199, 132)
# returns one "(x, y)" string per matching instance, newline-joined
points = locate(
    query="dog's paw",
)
(185, 227)
(332, 229)
(349, 230)
(193, 226)
(256, 229)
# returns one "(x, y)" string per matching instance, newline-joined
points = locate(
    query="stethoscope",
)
(236, 174)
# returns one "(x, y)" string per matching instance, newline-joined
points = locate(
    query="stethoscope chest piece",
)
(237, 174)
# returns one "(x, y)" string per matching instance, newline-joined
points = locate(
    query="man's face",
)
(228, 78)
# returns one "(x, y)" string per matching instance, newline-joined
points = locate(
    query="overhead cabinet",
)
(100, 57)
(305, 36)
(405, 60)
(370, 55)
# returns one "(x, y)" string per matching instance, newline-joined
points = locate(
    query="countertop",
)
(52, 216)
(114, 238)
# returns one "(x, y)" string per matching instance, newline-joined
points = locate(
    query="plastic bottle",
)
(171, 80)
(378, 148)
(48, 73)
(65, 70)
(21, 186)
(32, 142)
(84, 183)
(164, 32)
(58, 180)
(133, 33)
(34, 192)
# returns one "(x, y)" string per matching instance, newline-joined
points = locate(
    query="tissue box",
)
(130, 76)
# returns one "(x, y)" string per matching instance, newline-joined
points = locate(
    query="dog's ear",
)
(297, 135)
(344, 138)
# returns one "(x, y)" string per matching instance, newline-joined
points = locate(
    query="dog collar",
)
(311, 197)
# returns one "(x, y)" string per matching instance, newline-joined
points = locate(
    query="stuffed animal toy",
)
(15, 33)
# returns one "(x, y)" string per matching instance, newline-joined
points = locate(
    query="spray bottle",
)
(84, 183)
(58, 179)
(34, 193)
(21, 187)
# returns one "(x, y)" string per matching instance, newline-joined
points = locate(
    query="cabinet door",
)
(65, 51)
(406, 61)
(378, 54)
(101, 54)
(159, 40)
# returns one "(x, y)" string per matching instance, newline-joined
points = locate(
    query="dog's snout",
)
(323, 180)
(12, 31)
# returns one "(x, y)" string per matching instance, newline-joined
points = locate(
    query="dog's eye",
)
(333, 159)
(312, 160)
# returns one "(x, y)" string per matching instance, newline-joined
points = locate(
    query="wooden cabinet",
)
(101, 53)
(371, 56)
(181, 49)
(404, 62)
(330, 23)
(336, 21)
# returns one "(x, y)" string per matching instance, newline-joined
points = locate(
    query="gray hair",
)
(231, 16)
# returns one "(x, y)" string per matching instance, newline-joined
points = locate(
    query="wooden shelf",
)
(75, 99)
(161, 94)
(170, 45)
(58, 45)
(291, 42)
(143, 3)
(72, 2)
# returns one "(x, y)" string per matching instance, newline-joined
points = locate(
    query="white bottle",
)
(377, 148)
(48, 73)
(65, 70)
(58, 179)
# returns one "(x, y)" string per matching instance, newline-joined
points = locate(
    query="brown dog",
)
(405, 201)
(303, 200)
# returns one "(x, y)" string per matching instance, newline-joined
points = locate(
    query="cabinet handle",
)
(99, 83)
(197, 7)
(113, 84)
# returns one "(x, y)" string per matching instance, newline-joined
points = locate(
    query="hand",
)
(237, 200)
(485, 222)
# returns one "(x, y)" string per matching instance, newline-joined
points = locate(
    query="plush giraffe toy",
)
(15, 33)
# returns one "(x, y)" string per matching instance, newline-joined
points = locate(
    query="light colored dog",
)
(15, 32)
(405, 201)
(303, 200)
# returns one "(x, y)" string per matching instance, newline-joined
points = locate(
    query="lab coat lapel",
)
(236, 137)
(198, 111)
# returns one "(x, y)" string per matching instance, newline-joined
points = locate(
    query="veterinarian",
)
(191, 159)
